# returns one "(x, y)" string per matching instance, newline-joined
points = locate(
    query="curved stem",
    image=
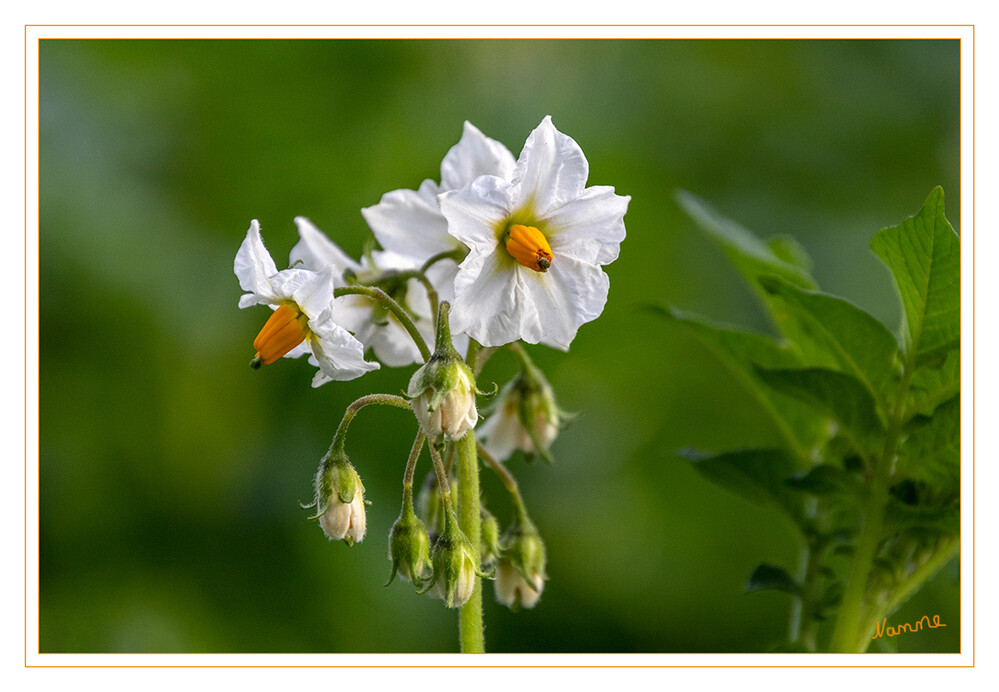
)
(352, 410)
(393, 307)
(442, 481)
(407, 479)
(470, 520)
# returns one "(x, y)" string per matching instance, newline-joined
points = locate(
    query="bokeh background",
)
(171, 472)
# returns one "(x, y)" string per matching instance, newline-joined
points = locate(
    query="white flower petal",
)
(409, 222)
(254, 267)
(500, 433)
(475, 214)
(316, 251)
(551, 170)
(589, 228)
(571, 295)
(315, 295)
(474, 155)
(486, 301)
(337, 353)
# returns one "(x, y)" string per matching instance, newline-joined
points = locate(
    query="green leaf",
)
(931, 386)
(772, 578)
(751, 255)
(742, 352)
(755, 474)
(932, 449)
(823, 479)
(924, 256)
(854, 340)
(838, 394)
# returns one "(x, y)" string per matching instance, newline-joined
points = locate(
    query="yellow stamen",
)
(529, 247)
(283, 331)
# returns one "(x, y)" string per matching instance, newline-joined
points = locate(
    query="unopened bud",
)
(443, 390)
(525, 417)
(490, 539)
(409, 547)
(520, 575)
(454, 564)
(340, 499)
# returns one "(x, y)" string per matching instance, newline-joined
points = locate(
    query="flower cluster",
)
(502, 250)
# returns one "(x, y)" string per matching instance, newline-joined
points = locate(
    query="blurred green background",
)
(171, 472)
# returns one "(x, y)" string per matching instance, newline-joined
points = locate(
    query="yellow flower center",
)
(283, 331)
(529, 247)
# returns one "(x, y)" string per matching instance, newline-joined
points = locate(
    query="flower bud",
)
(520, 575)
(340, 499)
(409, 547)
(490, 539)
(525, 417)
(443, 390)
(454, 563)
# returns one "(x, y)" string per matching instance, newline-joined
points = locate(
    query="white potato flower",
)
(369, 322)
(409, 222)
(537, 242)
(302, 321)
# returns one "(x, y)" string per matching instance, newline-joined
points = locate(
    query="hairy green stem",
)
(352, 410)
(470, 624)
(407, 479)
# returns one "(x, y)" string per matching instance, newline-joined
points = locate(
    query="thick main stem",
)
(851, 616)
(469, 520)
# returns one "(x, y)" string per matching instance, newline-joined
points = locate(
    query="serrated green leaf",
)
(755, 474)
(837, 394)
(742, 352)
(931, 386)
(751, 255)
(931, 451)
(855, 341)
(924, 256)
(772, 578)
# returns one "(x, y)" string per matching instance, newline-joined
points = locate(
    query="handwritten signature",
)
(884, 629)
